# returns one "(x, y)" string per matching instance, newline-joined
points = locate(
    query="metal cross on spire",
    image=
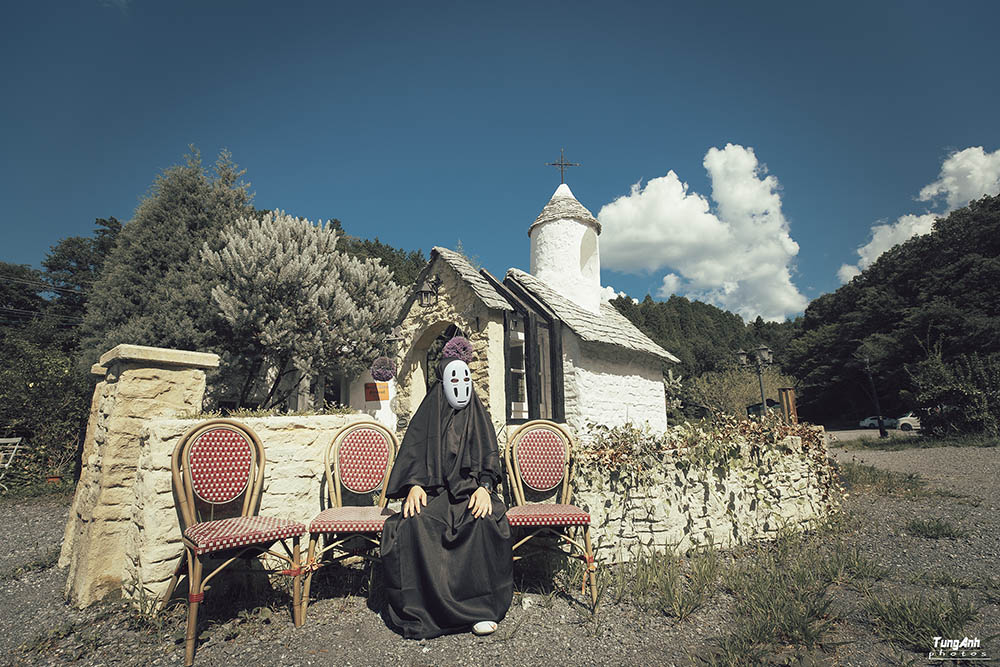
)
(562, 164)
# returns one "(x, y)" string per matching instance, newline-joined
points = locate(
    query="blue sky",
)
(425, 123)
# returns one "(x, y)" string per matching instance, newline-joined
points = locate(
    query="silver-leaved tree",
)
(295, 305)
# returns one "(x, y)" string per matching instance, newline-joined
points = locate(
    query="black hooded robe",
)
(444, 569)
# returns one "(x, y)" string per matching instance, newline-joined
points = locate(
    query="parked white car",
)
(908, 422)
(872, 422)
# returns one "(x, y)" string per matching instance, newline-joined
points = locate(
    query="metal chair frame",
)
(563, 491)
(334, 487)
(9, 448)
(189, 515)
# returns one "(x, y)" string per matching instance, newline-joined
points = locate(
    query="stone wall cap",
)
(98, 369)
(159, 355)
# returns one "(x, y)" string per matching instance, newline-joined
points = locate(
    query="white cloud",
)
(884, 237)
(965, 175)
(671, 285)
(737, 257)
(608, 293)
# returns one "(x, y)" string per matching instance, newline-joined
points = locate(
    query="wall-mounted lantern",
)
(428, 292)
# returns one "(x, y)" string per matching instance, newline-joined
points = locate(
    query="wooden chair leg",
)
(181, 562)
(195, 596)
(591, 567)
(296, 583)
(313, 538)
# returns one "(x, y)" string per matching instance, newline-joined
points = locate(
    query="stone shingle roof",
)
(564, 206)
(483, 289)
(609, 326)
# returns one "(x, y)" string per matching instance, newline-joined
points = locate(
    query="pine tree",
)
(153, 289)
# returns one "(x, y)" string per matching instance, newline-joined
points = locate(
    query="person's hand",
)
(415, 499)
(480, 503)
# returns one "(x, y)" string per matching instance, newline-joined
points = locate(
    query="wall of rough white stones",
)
(671, 509)
(675, 507)
(611, 386)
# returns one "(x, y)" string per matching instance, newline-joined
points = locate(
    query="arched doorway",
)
(424, 355)
(434, 353)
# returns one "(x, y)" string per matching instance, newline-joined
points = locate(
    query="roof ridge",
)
(608, 326)
(480, 286)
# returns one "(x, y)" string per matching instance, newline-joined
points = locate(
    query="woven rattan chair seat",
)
(547, 514)
(350, 520)
(209, 536)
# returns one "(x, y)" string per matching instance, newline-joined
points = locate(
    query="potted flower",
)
(383, 369)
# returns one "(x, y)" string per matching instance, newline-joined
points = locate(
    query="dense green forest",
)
(705, 338)
(924, 319)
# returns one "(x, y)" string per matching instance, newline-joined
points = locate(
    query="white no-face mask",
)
(457, 381)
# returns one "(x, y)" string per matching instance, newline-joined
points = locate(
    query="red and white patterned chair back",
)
(218, 471)
(220, 462)
(540, 451)
(362, 456)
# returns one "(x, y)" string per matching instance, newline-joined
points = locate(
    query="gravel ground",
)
(36, 627)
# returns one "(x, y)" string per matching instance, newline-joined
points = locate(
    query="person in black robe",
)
(447, 556)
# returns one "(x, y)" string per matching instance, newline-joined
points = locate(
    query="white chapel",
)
(546, 344)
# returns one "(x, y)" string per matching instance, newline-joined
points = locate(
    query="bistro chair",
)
(538, 459)
(218, 472)
(359, 461)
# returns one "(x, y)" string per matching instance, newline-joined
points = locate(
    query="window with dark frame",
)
(533, 355)
(534, 388)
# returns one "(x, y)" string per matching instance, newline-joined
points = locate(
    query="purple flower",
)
(383, 369)
(458, 347)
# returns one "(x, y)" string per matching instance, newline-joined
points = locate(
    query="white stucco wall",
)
(380, 411)
(609, 385)
(565, 254)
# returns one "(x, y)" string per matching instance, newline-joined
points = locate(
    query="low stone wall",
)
(671, 507)
(674, 506)
(123, 531)
(294, 488)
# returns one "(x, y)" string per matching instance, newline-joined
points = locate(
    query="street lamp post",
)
(758, 359)
(882, 433)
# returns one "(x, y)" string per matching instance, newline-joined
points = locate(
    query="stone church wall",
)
(457, 304)
(123, 532)
(604, 384)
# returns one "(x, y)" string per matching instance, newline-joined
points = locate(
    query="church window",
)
(543, 349)
(533, 381)
(516, 377)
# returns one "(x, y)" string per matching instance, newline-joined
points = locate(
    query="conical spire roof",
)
(564, 206)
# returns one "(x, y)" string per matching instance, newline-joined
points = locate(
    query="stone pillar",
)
(140, 383)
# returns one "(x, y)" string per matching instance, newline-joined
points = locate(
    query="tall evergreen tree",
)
(154, 290)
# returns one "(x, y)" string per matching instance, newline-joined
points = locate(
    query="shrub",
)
(960, 395)
(44, 399)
